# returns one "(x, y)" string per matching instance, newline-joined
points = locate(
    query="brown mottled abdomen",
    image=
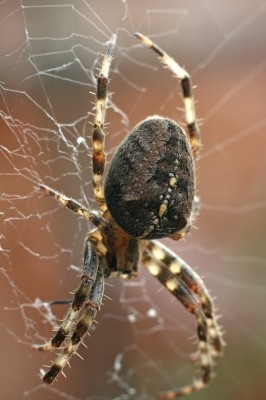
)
(150, 185)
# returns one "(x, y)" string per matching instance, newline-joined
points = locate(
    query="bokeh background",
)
(49, 56)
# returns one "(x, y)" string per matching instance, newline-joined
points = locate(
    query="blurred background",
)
(49, 55)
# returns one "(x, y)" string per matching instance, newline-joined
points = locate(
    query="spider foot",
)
(42, 347)
(184, 391)
(49, 376)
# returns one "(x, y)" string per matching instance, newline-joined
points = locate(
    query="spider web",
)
(49, 54)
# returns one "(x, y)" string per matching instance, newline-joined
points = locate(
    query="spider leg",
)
(183, 272)
(77, 208)
(187, 89)
(189, 289)
(92, 305)
(188, 299)
(98, 136)
(91, 288)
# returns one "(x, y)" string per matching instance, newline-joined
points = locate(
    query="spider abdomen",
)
(150, 185)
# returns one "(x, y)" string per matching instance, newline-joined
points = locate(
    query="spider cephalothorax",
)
(149, 193)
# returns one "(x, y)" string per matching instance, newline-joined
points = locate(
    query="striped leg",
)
(83, 325)
(189, 289)
(98, 136)
(186, 84)
(89, 292)
(77, 208)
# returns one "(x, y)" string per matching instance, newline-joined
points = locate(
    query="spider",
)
(149, 193)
